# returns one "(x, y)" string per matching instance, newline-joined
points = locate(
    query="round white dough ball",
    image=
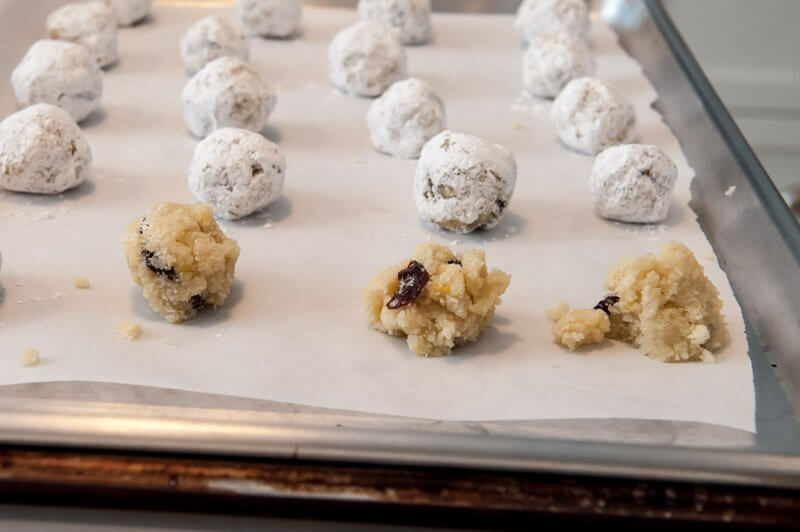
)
(209, 39)
(227, 93)
(91, 24)
(127, 12)
(270, 18)
(464, 183)
(549, 16)
(553, 60)
(237, 172)
(42, 150)
(60, 73)
(633, 183)
(365, 58)
(411, 18)
(590, 116)
(405, 117)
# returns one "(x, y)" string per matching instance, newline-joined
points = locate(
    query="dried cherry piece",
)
(148, 257)
(609, 301)
(197, 301)
(454, 261)
(412, 280)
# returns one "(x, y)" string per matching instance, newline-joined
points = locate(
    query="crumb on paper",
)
(29, 358)
(47, 215)
(516, 125)
(169, 342)
(129, 330)
(731, 191)
(709, 256)
(58, 295)
(81, 282)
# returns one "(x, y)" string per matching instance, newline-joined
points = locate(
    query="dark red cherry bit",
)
(604, 305)
(412, 280)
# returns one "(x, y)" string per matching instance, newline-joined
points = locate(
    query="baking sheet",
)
(294, 330)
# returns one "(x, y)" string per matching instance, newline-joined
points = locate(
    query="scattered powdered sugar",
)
(524, 103)
(731, 191)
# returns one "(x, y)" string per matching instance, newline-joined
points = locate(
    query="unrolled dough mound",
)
(591, 116)
(366, 58)
(91, 24)
(464, 183)
(60, 73)
(535, 17)
(42, 150)
(553, 60)
(411, 18)
(227, 93)
(128, 12)
(437, 300)
(208, 39)
(237, 172)
(405, 117)
(577, 327)
(633, 183)
(180, 257)
(270, 18)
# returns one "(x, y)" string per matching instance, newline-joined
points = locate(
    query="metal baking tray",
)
(755, 237)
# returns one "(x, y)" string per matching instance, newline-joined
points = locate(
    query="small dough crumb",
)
(129, 330)
(81, 282)
(449, 301)
(29, 358)
(576, 327)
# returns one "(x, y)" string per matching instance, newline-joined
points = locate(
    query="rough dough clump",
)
(553, 60)
(60, 73)
(91, 24)
(366, 58)
(411, 18)
(29, 358)
(270, 18)
(535, 17)
(573, 328)
(208, 39)
(227, 93)
(180, 257)
(464, 183)
(127, 12)
(633, 183)
(405, 117)
(663, 304)
(452, 307)
(42, 150)
(236, 171)
(590, 116)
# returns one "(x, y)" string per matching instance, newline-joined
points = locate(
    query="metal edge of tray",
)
(244, 433)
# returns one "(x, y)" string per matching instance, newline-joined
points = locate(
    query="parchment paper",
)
(293, 329)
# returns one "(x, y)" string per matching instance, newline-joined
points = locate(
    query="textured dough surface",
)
(210, 38)
(181, 258)
(463, 183)
(455, 306)
(633, 183)
(270, 18)
(577, 327)
(405, 117)
(411, 18)
(554, 59)
(590, 116)
(227, 92)
(43, 151)
(60, 73)
(90, 24)
(237, 172)
(535, 17)
(366, 58)
(127, 12)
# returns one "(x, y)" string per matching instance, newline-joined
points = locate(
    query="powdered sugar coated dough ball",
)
(60, 73)
(208, 39)
(464, 183)
(92, 25)
(590, 116)
(128, 12)
(405, 117)
(237, 172)
(365, 58)
(411, 18)
(553, 60)
(549, 16)
(227, 93)
(42, 150)
(633, 183)
(270, 18)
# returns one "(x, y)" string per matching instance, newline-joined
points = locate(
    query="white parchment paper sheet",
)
(294, 329)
